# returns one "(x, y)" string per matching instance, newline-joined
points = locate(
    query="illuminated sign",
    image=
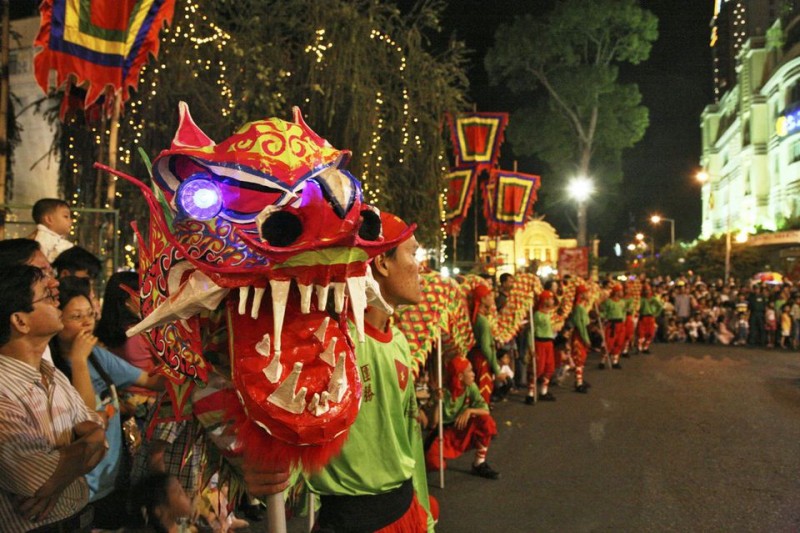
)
(788, 123)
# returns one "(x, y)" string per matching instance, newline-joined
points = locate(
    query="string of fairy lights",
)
(192, 28)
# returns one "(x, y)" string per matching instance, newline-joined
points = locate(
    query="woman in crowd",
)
(97, 374)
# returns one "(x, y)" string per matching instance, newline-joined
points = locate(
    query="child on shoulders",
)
(53, 223)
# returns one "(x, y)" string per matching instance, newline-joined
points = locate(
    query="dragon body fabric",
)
(256, 245)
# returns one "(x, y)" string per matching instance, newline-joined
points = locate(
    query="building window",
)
(795, 154)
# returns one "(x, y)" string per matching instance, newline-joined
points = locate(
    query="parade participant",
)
(650, 307)
(377, 482)
(580, 342)
(545, 354)
(613, 311)
(484, 355)
(467, 422)
(49, 438)
(630, 318)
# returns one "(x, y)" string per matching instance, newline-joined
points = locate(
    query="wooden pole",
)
(440, 407)
(113, 148)
(4, 81)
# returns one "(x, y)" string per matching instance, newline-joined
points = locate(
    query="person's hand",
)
(37, 508)
(82, 346)
(263, 480)
(463, 419)
(422, 418)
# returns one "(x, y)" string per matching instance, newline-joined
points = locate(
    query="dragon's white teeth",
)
(322, 296)
(285, 397)
(196, 294)
(274, 369)
(305, 298)
(357, 287)
(280, 295)
(328, 355)
(264, 346)
(244, 292)
(323, 327)
(338, 384)
(319, 404)
(338, 295)
(257, 297)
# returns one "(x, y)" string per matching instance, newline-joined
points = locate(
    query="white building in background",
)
(35, 173)
(751, 136)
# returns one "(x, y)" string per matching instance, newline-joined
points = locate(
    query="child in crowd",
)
(503, 384)
(722, 334)
(160, 504)
(742, 329)
(53, 223)
(695, 330)
(675, 333)
(467, 421)
(786, 327)
(770, 324)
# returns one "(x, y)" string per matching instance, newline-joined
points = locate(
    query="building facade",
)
(751, 135)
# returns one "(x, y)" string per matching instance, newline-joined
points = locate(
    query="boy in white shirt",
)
(53, 223)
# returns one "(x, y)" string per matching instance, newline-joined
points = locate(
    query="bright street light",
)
(639, 236)
(581, 189)
(656, 219)
(702, 176)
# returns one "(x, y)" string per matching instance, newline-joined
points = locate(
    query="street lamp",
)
(656, 219)
(741, 238)
(581, 189)
(702, 176)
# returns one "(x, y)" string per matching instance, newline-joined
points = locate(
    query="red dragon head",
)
(261, 223)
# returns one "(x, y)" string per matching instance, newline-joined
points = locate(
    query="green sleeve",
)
(476, 401)
(658, 306)
(580, 319)
(483, 336)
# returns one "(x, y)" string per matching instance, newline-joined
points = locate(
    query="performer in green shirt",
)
(467, 421)
(378, 481)
(613, 311)
(545, 354)
(484, 355)
(580, 341)
(649, 308)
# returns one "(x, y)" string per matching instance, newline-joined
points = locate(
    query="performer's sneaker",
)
(547, 397)
(617, 366)
(529, 400)
(587, 384)
(601, 366)
(626, 354)
(485, 471)
(646, 350)
(582, 388)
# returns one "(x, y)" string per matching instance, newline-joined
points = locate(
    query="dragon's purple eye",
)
(199, 198)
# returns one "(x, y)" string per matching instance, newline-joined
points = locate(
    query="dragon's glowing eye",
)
(200, 198)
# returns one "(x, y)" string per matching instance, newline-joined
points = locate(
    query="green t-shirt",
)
(384, 447)
(542, 326)
(580, 319)
(650, 306)
(613, 310)
(485, 341)
(452, 407)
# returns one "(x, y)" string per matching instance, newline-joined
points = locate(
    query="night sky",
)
(676, 85)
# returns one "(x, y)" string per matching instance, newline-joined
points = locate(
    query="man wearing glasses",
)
(48, 438)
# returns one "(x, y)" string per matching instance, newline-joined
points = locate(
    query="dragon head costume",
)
(265, 228)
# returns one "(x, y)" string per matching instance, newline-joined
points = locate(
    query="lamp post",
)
(741, 238)
(581, 189)
(656, 219)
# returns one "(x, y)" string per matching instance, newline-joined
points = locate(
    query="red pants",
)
(478, 433)
(415, 520)
(483, 374)
(647, 329)
(579, 350)
(628, 329)
(615, 337)
(545, 359)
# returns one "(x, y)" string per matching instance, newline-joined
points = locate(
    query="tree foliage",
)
(707, 258)
(568, 61)
(364, 74)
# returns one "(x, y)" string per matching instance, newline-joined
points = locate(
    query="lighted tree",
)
(363, 73)
(583, 117)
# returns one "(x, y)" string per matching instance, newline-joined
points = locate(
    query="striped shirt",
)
(37, 417)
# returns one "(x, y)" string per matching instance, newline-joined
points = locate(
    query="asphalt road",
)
(690, 438)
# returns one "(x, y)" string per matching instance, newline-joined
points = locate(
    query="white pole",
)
(533, 357)
(441, 410)
(311, 511)
(276, 513)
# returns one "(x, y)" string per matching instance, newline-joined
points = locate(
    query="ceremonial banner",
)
(511, 197)
(573, 261)
(97, 44)
(460, 184)
(477, 138)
